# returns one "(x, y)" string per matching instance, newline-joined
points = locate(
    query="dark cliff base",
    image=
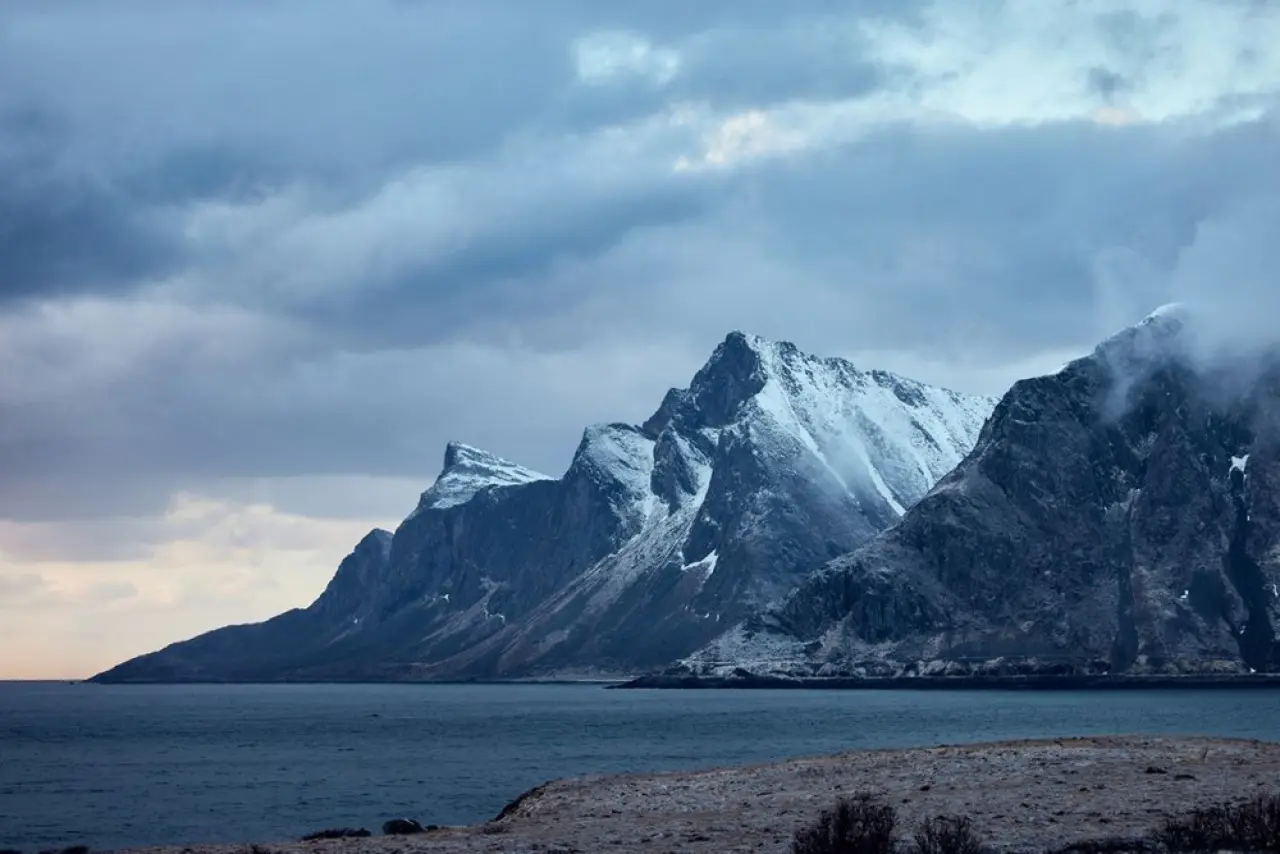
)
(605, 681)
(894, 683)
(960, 683)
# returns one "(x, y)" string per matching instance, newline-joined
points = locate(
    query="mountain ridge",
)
(656, 538)
(1119, 516)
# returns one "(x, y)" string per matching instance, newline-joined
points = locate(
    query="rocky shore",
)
(1022, 796)
(1032, 682)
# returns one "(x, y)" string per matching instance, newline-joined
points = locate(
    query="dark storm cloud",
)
(221, 104)
(62, 233)
(64, 237)
(194, 104)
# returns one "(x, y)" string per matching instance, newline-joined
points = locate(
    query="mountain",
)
(658, 538)
(1121, 516)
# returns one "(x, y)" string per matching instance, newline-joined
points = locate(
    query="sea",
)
(112, 766)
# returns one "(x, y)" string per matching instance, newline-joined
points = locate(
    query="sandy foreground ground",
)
(1023, 796)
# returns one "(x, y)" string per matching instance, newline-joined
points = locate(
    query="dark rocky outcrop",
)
(656, 539)
(402, 827)
(1121, 516)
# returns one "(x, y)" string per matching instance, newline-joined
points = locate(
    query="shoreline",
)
(951, 683)
(608, 682)
(658, 681)
(1027, 796)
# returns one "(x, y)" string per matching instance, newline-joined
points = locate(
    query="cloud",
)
(606, 57)
(63, 232)
(20, 587)
(441, 235)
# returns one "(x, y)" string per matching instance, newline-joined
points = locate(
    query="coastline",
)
(953, 683)
(603, 681)
(1022, 796)
(747, 680)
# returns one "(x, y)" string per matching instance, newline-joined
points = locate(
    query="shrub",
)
(1110, 845)
(1200, 831)
(855, 825)
(947, 835)
(1251, 826)
(1256, 824)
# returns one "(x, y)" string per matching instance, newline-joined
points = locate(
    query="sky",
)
(260, 261)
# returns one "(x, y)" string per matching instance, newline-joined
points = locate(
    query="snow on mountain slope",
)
(656, 539)
(898, 435)
(468, 470)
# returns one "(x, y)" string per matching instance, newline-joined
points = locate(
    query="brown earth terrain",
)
(1022, 796)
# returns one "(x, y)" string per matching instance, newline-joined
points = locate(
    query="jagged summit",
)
(459, 453)
(378, 538)
(1159, 335)
(733, 374)
(743, 365)
(467, 470)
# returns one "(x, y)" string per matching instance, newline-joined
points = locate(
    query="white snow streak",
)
(707, 565)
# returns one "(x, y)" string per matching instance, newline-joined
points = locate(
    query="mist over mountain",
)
(1120, 516)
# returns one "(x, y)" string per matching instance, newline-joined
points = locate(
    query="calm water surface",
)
(111, 766)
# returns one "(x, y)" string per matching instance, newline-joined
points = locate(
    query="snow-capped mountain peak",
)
(1159, 334)
(872, 429)
(467, 470)
(878, 437)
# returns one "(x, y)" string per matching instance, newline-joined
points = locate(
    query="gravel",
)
(1022, 796)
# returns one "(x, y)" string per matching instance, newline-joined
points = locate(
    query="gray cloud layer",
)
(252, 241)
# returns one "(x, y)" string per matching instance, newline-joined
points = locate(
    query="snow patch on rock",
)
(469, 470)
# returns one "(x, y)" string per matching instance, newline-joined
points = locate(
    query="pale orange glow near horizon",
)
(210, 563)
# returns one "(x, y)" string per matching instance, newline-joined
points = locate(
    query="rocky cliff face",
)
(657, 539)
(1120, 516)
